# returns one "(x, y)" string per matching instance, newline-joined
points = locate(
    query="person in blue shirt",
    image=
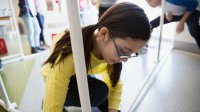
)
(183, 11)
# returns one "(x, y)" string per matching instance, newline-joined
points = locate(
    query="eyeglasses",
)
(121, 55)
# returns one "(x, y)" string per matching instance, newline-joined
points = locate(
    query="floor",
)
(175, 87)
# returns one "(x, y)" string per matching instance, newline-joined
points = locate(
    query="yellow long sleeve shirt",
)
(57, 81)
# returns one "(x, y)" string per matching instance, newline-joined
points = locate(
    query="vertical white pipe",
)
(17, 29)
(78, 54)
(4, 93)
(135, 101)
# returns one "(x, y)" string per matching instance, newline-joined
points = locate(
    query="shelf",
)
(5, 17)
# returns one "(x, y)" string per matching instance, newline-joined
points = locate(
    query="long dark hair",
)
(122, 20)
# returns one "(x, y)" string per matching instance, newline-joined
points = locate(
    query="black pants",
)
(40, 19)
(192, 23)
(98, 91)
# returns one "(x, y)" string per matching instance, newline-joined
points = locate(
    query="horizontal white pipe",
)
(10, 57)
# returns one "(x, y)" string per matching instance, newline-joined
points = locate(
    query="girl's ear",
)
(103, 34)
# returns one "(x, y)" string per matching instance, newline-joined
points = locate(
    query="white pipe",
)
(5, 103)
(10, 57)
(78, 54)
(155, 71)
(4, 93)
(11, 60)
(21, 54)
(14, 58)
(17, 30)
(161, 28)
(10, 107)
(134, 103)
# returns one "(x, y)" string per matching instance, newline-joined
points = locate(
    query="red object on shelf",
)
(3, 48)
(53, 35)
(57, 1)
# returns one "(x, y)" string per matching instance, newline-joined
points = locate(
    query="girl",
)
(121, 31)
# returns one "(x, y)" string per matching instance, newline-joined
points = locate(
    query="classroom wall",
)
(5, 8)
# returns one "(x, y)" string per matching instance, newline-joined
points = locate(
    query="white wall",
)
(5, 4)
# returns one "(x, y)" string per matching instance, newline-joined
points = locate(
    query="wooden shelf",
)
(5, 17)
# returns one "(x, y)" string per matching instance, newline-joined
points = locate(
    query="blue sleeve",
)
(192, 5)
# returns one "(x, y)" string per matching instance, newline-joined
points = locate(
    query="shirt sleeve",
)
(56, 86)
(191, 6)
